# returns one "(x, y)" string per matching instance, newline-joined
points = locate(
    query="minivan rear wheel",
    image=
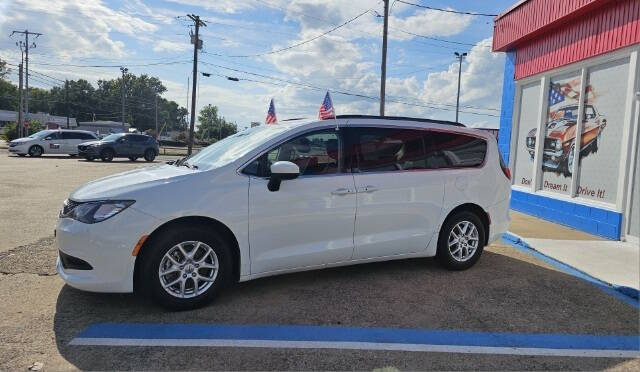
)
(461, 241)
(186, 268)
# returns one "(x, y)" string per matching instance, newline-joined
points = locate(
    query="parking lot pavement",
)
(508, 291)
(32, 191)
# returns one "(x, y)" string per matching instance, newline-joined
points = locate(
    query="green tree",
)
(212, 126)
(3, 69)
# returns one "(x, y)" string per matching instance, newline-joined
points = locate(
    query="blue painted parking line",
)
(625, 294)
(325, 337)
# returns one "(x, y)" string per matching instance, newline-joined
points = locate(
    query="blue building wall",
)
(593, 220)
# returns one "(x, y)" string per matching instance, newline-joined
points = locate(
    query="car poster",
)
(562, 115)
(602, 132)
(529, 108)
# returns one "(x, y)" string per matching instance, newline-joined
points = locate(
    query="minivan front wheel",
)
(461, 241)
(35, 151)
(187, 268)
(107, 155)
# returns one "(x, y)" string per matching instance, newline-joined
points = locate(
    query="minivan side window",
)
(315, 153)
(388, 149)
(454, 150)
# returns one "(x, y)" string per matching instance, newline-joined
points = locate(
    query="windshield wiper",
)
(190, 166)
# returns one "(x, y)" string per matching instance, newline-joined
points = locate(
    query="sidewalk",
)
(613, 262)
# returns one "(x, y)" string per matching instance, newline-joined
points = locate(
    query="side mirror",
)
(282, 170)
(47, 138)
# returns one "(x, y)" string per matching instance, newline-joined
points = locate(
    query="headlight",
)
(94, 211)
(558, 144)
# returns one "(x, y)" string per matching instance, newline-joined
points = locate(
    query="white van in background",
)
(51, 141)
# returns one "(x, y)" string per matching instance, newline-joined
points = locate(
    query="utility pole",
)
(460, 57)
(66, 99)
(157, 134)
(383, 75)
(26, 47)
(197, 44)
(20, 102)
(124, 72)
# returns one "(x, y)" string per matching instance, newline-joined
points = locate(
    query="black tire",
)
(89, 158)
(22, 155)
(36, 151)
(153, 255)
(133, 158)
(149, 155)
(444, 255)
(107, 155)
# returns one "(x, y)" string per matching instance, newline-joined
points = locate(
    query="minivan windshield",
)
(233, 147)
(112, 137)
(41, 134)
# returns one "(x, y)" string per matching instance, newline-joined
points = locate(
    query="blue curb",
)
(626, 294)
(267, 332)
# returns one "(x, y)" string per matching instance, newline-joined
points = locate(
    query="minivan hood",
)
(121, 184)
(23, 139)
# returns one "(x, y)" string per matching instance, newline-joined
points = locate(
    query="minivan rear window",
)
(453, 150)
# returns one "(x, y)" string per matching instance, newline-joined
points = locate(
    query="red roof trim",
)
(531, 18)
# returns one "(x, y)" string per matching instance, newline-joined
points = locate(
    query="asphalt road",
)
(507, 291)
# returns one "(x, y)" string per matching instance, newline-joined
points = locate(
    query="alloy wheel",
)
(463, 241)
(188, 269)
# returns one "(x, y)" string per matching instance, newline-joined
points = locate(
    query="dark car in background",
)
(120, 145)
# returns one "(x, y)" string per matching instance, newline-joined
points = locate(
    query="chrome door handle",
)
(341, 191)
(369, 188)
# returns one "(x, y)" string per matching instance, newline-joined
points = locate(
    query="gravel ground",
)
(507, 291)
(32, 191)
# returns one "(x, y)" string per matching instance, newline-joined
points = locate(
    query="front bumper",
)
(18, 150)
(106, 246)
(88, 152)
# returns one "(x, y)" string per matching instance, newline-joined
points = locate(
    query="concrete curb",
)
(626, 294)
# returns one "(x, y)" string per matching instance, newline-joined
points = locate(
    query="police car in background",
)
(51, 141)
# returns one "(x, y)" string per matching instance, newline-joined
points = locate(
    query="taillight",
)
(505, 169)
(507, 172)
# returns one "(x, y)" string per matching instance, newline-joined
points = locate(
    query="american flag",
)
(555, 94)
(271, 114)
(326, 110)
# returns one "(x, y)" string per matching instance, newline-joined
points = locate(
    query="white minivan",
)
(51, 141)
(282, 198)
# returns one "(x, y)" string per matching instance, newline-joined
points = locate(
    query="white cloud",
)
(171, 46)
(220, 6)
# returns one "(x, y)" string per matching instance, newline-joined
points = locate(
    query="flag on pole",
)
(271, 114)
(326, 110)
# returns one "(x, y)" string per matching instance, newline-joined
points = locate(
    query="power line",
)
(436, 39)
(112, 66)
(336, 91)
(448, 10)
(304, 41)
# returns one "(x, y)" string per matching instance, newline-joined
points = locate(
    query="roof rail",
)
(423, 120)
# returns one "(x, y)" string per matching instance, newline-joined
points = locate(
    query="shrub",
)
(10, 131)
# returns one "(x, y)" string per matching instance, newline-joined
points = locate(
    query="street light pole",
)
(383, 71)
(460, 57)
(124, 72)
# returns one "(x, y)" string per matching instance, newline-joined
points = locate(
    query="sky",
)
(245, 39)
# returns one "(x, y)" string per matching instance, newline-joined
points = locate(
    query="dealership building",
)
(568, 62)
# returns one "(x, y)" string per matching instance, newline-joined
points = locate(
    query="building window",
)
(560, 130)
(525, 145)
(602, 131)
